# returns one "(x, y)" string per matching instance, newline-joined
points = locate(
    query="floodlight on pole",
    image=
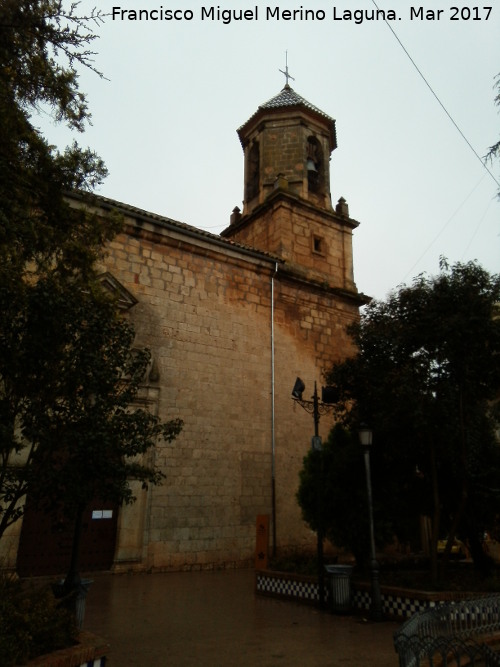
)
(298, 389)
(316, 408)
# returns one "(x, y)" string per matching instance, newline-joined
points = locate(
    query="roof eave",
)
(244, 130)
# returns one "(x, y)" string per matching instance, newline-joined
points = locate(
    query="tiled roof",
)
(289, 98)
(142, 215)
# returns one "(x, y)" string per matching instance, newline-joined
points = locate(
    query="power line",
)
(481, 220)
(446, 225)
(438, 100)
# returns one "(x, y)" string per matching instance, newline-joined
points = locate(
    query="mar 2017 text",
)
(227, 15)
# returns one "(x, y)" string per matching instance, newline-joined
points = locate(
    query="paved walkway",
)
(213, 619)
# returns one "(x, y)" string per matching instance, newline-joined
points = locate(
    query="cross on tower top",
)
(285, 71)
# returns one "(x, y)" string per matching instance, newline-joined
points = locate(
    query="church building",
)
(231, 321)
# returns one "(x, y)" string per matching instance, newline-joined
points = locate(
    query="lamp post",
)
(366, 438)
(316, 408)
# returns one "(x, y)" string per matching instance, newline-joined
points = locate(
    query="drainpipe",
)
(273, 433)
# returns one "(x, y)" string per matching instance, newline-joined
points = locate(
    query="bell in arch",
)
(311, 166)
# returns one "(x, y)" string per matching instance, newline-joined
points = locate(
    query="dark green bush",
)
(31, 622)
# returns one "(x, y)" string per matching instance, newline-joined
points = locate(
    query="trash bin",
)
(75, 599)
(340, 588)
(81, 595)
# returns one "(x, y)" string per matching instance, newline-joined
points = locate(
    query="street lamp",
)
(316, 408)
(366, 439)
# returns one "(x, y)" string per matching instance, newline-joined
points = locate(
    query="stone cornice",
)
(291, 274)
(280, 197)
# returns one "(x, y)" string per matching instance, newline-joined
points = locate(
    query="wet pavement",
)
(214, 619)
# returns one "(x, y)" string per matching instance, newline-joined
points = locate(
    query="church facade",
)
(231, 320)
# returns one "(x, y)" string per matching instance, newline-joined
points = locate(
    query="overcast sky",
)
(165, 119)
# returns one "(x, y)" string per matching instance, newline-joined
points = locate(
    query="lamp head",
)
(365, 435)
(330, 395)
(298, 388)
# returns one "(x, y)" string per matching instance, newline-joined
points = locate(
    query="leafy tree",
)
(426, 376)
(494, 151)
(69, 376)
(83, 434)
(323, 478)
(333, 490)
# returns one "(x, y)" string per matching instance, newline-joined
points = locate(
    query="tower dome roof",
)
(287, 98)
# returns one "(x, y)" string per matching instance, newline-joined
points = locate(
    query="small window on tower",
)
(318, 245)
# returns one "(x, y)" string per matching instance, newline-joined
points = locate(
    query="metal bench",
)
(454, 634)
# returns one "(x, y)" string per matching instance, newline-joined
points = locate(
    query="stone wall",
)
(204, 310)
(205, 317)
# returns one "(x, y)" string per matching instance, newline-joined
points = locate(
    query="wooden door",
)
(45, 542)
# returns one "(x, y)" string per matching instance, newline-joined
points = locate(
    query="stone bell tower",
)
(288, 138)
(287, 206)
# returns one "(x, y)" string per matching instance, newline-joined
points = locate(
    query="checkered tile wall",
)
(302, 591)
(396, 606)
